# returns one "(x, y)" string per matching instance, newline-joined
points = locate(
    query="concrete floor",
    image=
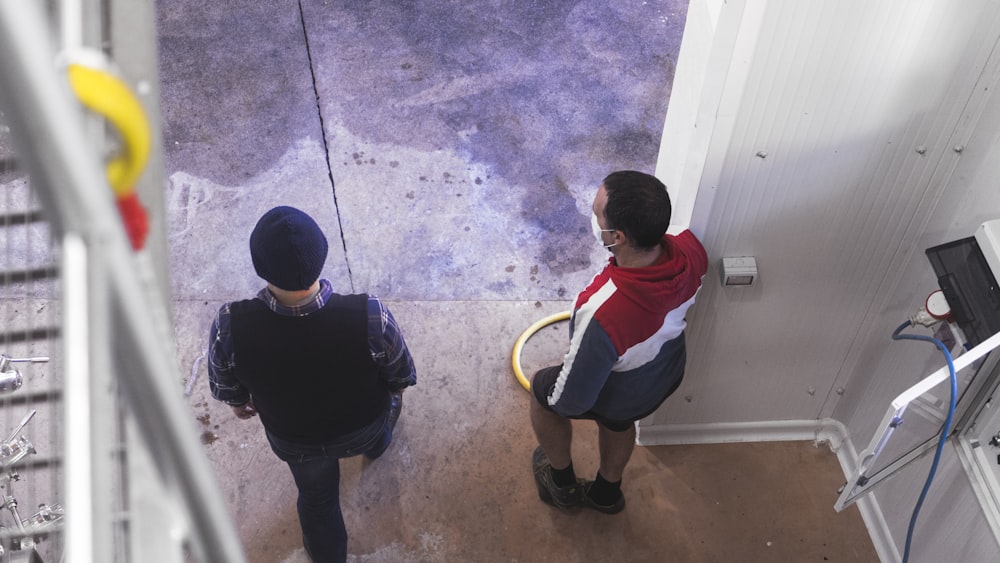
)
(451, 151)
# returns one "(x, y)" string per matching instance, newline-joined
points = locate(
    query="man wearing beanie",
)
(324, 371)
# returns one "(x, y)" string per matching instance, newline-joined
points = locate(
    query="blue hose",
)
(944, 431)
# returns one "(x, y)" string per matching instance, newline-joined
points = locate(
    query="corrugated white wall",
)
(821, 139)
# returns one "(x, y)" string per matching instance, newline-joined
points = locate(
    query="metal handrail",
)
(50, 139)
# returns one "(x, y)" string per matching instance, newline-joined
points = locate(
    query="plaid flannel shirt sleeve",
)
(222, 380)
(388, 347)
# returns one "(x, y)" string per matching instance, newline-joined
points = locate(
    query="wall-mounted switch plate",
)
(739, 271)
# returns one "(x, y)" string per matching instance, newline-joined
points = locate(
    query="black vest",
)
(312, 377)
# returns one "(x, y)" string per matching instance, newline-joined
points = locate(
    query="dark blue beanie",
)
(288, 248)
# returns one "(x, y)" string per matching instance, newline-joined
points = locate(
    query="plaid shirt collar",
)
(314, 304)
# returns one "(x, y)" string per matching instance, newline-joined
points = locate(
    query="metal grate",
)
(31, 470)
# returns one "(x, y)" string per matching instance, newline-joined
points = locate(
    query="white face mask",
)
(596, 228)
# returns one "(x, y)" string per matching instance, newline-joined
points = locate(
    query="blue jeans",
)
(316, 470)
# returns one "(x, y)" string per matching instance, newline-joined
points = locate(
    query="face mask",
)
(596, 228)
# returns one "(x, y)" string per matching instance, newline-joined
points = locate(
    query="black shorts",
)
(545, 378)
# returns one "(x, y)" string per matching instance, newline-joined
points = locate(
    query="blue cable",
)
(944, 431)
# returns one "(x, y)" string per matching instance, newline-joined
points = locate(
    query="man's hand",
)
(246, 411)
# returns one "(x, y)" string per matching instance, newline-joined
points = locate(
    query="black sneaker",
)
(559, 497)
(613, 508)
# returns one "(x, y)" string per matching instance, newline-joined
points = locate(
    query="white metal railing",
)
(124, 412)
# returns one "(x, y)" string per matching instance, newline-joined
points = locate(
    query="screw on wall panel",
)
(921, 150)
(840, 390)
(688, 398)
(811, 390)
(958, 149)
(761, 154)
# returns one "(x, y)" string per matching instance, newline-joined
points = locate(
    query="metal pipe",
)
(79, 491)
(24, 422)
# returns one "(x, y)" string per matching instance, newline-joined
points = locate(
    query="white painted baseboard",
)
(828, 431)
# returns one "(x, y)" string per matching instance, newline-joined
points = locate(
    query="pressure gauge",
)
(937, 306)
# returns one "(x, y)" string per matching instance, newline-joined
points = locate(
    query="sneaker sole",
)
(612, 509)
(603, 508)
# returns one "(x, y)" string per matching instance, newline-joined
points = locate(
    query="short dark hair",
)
(638, 205)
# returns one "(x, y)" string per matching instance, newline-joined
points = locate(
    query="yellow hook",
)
(109, 96)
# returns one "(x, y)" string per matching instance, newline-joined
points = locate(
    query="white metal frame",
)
(860, 482)
(107, 324)
(983, 481)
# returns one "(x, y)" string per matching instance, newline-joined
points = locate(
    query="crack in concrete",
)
(326, 149)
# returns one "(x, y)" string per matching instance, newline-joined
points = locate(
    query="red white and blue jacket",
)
(626, 334)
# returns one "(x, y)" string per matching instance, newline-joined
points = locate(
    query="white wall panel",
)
(817, 174)
(951, 526)
(832, 160)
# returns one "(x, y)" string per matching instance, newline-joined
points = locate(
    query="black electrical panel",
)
(969, 286)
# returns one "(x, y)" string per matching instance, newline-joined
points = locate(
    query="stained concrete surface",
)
(451, 151)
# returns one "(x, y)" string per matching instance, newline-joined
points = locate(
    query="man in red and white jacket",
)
(627, 351)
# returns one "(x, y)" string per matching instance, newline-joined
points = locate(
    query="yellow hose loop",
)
(528, 333)
(109, 96)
